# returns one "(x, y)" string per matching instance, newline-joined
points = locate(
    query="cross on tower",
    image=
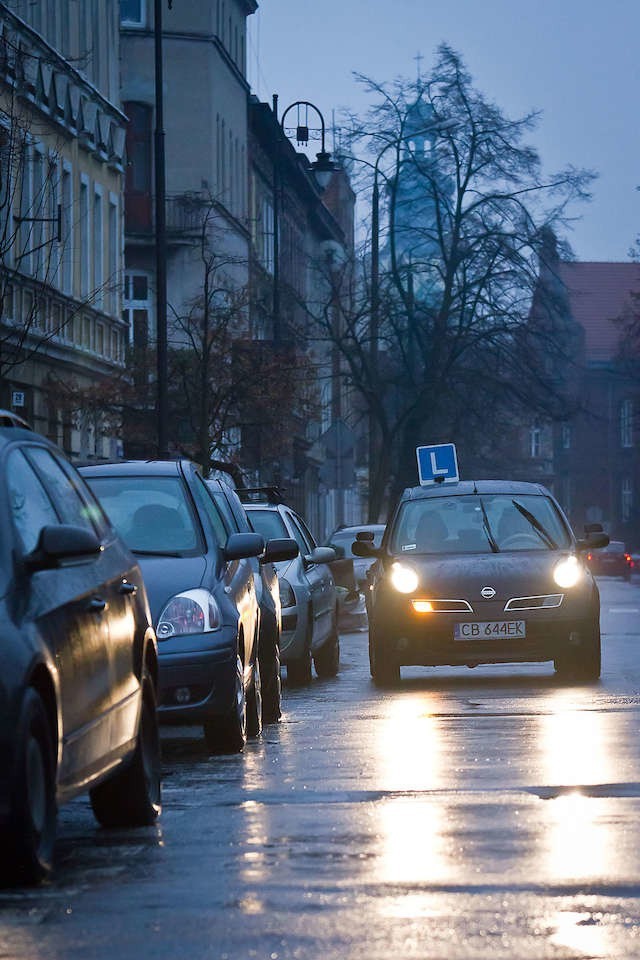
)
(418, 58)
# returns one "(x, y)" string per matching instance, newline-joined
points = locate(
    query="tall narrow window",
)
(84, 239)
(132, 13)
(626, 500)
(98, 251)
(113, 279)
(626, 423)
(138, 190)
(66, 248)
(535, 442)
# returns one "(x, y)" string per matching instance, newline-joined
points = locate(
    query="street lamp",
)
(323, 166)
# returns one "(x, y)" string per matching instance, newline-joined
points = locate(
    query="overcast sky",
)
(577, 61)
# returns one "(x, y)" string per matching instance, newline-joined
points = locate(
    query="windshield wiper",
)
(154, 553)
(487, 527)
(537, 526)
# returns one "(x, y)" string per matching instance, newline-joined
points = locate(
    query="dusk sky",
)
(574, 60)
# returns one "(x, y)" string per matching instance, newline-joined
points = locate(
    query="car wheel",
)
(228, 734)
(27, 841)
(132, 798)
(254, 704)
(384, 670)
(299, 671)
(269, 659)
(585, 662)
(327, 659)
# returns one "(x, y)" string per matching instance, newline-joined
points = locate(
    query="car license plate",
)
(492, 628)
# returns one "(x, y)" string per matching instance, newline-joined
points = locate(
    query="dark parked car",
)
(307, 589)
(486, 572)
(613, 561)
(201, 590)
(79, 660)
(268, 593)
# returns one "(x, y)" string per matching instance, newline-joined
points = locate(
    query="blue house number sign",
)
(437, 464)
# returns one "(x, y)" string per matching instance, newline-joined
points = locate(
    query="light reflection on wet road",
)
(465, 814)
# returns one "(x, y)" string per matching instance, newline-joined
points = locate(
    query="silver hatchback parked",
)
(307, 589)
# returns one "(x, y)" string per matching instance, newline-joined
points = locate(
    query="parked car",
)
(344, 537)
(79, 660)
(267, 590)
(613, 561)
(201, 590)
(307, 589)
(482, 572)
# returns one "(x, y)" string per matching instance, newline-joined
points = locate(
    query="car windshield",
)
(152, 514)
(473, 523)
(269, 523)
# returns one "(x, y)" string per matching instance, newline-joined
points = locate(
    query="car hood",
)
(164, 577)
(521, 574)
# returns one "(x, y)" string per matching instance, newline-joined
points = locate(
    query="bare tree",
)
(442, 342)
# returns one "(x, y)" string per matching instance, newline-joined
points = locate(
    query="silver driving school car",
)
(482, 572)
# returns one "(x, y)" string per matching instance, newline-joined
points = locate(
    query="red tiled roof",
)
(600, 294)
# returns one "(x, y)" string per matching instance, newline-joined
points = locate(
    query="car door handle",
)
(95, 605)
(127, 588)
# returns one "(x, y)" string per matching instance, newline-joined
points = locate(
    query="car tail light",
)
(589, 556)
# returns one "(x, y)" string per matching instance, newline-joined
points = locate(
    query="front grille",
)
(535, 603)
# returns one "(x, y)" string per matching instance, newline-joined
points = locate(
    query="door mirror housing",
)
(63, 541)
(365, 548)
(280, 548)
(321, 555)
(240, 546)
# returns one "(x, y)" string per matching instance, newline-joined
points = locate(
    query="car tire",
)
(385, 671)
(269, 659)
(132, 798)
(228, 734)
(254, 704)
(27, 841)
(299, 670)
(584, 663)
(327, 659)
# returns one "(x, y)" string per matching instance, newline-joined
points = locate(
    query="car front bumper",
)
(197, 683)
(428, 639)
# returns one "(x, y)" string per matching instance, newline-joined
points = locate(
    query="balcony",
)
(184, 215)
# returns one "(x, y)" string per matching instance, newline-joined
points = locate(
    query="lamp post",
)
(161, 241)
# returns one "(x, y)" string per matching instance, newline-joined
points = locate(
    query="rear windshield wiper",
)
(487, 527)
(537, 526)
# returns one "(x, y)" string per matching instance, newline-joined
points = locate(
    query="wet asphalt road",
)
(491, 813)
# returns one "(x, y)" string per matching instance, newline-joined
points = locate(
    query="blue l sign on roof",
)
(437, 464)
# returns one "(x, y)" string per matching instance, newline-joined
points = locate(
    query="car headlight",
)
(568, 572)
(404, 579)
(287, 596)
(194, 611)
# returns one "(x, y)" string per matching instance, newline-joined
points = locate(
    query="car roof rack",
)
(260, 495)
(10, 419)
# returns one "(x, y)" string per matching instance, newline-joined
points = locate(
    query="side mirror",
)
(593, 540)
(240, 546)
(364, 548)
(62, 541)
(339, 551)
(283, 548)
(321, 555)
(365, 536)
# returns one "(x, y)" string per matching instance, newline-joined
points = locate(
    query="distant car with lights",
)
(202, 594)
(613, 561)
(482, 572)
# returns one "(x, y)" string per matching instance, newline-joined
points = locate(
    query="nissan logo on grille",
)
(488, 593)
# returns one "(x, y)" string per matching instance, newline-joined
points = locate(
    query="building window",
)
(113, 257)
(132, 13)
(66, 256)
(626, 423)
(138, 177)
(565, 436)
(98, 250)
(626, 500)
(84, 239)
(137, 308)
(535, 442)
(266, 236)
